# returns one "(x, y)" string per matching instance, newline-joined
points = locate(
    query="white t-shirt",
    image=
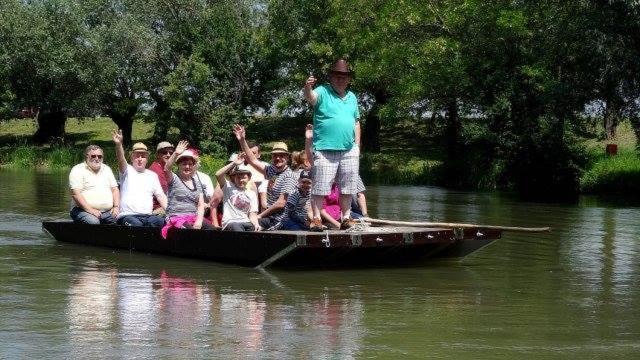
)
(94, 187)
(207, 184)
(237, 204)
(137, 190)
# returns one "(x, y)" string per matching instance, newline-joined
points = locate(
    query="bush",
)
(618, 174)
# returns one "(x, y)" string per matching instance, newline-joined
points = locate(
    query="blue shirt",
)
(334, 119)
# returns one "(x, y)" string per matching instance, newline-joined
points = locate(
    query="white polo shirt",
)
(94, 187)
(137, 190)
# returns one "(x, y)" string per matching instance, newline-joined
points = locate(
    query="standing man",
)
(336, 141)
(163, 153)
(139, 186)
(95, 198)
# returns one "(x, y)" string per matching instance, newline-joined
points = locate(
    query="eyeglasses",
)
(165, 152)
(94, 156)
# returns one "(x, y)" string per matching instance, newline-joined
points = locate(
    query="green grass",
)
(618, 174)
(410, 154)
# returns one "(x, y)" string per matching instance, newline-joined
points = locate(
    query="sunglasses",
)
(94, 156)
(165, 152)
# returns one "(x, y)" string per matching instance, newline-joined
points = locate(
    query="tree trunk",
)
(125, 123)
(50, 126)
(453, 163)
(610, 119)
(370, 135)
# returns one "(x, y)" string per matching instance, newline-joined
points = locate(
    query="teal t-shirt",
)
(334, 119)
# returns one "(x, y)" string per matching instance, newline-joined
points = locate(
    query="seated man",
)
(138, 187)
(163, 153)
(94, 190)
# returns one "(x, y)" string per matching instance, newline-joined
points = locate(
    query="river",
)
(571, 293)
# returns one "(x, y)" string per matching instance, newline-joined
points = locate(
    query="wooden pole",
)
(456, 225)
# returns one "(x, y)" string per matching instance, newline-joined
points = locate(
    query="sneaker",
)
(316, 225)
(347, 223)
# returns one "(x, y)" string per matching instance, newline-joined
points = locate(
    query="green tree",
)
(51, 63)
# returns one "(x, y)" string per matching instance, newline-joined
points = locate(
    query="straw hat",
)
(280, 148)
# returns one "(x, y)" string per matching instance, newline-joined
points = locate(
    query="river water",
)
(571, 293)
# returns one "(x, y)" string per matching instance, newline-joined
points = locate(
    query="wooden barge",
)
(374, 246)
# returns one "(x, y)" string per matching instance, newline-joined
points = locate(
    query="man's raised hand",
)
(239, 132)
(116, 135)
(311, 81)
(308, 132)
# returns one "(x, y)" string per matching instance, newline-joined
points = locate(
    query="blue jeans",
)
(293, 225)
(80, 216)
(141, 220)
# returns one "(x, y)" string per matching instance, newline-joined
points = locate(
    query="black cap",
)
(305, 174)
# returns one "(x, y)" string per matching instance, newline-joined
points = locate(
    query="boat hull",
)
(283, 248)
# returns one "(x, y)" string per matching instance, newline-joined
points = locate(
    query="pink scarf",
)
(177, 221)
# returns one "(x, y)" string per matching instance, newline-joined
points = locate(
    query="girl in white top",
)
(240, 205)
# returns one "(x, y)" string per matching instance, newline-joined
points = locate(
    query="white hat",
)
(187, 153)
(240, 169)
(233, 157)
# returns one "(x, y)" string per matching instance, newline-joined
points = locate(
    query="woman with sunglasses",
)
(163, 153)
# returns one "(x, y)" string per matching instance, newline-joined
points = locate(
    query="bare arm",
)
(116, 135)
(262, 198)
(325, 215)
(200, 213)
(115, 210)
(277, 206)
(253, 217)
(308, 143)
(309, 94)
(213, 205)
(357, 133)
(220, 174)
(162, 200)
(182, 146)
(240, 134)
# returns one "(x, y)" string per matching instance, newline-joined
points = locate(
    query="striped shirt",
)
(283, 182)
(297, 205)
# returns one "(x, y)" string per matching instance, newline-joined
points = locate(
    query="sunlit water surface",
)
(571, 293)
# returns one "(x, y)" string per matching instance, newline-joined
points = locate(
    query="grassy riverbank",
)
(415, 162)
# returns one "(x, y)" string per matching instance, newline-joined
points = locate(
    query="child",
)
(240, 204)
(298, 207)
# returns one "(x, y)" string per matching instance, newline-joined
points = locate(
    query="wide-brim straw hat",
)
(139, 147)
(280, 148)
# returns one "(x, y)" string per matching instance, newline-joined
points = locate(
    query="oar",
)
(456, 225)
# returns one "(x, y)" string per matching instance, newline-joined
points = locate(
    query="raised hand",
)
(116, 135)
(308, 132)
(182, 146)
(311, 80)
(239, 159)
(239, 132)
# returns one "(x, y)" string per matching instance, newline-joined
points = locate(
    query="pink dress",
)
(331, 203)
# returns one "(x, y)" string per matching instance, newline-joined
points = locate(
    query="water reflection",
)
(143, 313)
(571, 293)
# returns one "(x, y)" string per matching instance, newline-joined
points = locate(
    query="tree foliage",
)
(506, 81)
